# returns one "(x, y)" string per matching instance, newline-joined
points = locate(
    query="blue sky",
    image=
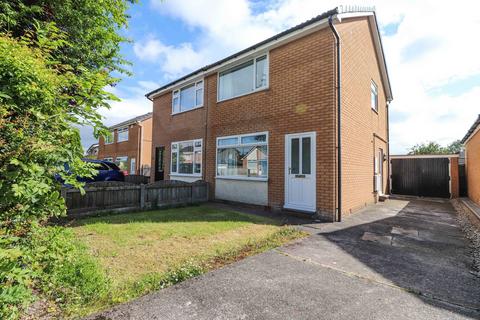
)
(433, 64)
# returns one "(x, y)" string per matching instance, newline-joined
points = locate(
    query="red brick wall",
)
(454, 180)
(124, 148)
(300, 98)
(364, 131)
(168, 128)
(472, 148)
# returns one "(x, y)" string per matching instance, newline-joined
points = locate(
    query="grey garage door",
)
(424, 177)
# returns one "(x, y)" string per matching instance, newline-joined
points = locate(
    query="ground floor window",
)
(122, 163)
(243, 156)
(108, 159)
(187, 157)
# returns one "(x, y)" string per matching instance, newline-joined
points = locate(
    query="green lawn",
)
(141, 252)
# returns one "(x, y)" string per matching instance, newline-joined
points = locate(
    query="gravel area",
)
(472, 233)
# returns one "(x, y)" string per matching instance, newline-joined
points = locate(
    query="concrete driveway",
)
(395, 260)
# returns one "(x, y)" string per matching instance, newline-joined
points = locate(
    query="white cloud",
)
(433, 47)
(148, 85)
(174, 60)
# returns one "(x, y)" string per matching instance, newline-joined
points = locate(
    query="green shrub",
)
(15, 280)
(52, 262)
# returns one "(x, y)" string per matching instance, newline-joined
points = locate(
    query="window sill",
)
(241, 178)
(197, 175)
(180, 112)
(122, 141)
(245, 94)
(376, 111)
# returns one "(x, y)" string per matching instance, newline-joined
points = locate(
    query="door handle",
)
(289, 170)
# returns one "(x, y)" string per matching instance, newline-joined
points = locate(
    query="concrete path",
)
(397, 260)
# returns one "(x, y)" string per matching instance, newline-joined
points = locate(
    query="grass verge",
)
(147, 251)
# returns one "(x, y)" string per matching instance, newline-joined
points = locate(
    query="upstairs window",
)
(122, 134)
(188, 97)
(242, 79)
(187, 158)
(374, 96)
(109, 139)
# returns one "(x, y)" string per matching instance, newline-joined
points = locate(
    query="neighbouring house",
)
(298, 121)
(130, 145)
(92, 151)
(471, 141)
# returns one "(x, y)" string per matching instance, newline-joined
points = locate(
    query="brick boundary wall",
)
(454, 178)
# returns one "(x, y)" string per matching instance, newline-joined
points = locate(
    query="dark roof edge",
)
(261, 43)
(472, 129)
(132, 120)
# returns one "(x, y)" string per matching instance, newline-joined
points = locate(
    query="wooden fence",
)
(137, 179)
(122, 196)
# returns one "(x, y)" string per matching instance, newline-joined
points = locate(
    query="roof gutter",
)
(339, 119)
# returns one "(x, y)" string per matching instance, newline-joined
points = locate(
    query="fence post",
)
(142, 196)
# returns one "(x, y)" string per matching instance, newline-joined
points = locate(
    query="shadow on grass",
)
(199, 213)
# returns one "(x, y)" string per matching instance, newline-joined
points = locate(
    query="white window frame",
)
(240, 144)
(198, 85)
(109, 159)
(133, 165)
(193, 174)
(113, 138)
(122, 130)
(374, 87)
(254, 59)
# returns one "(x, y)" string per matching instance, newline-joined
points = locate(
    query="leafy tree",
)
(56, 58)
(91, 49)
(454, 147)
(427, 148)
(435, 148)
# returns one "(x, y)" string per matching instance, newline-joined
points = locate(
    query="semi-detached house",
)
(298, 121)
(129, 145)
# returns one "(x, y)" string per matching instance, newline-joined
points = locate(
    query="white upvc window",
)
(109, 139)
(133, 167)
(242, 79)
(244, 156)
(186, 158)
(122, 134)
(374, 96)
(187, 98)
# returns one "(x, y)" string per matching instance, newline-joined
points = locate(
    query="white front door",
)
(300, 178)
(379, 172)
